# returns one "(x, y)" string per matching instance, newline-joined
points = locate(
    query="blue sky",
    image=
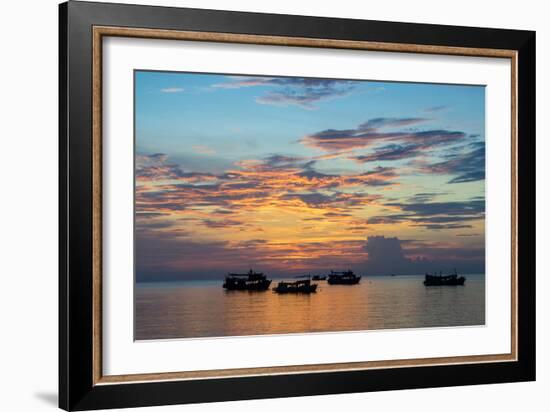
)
(177, 106)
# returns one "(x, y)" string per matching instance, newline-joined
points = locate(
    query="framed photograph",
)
(257, 205)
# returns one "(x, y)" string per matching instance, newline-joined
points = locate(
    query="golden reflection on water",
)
(205, 309)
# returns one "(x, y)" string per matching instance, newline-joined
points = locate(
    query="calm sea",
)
(204, 309)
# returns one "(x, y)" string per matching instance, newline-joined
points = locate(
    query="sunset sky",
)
(292, 175)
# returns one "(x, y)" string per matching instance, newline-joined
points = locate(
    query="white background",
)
(124, 356)
(28, 211)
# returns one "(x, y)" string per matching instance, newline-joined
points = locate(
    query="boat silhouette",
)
(298, 286)
(246, 281)
(318, 277)
(444, 280)
(343, 278)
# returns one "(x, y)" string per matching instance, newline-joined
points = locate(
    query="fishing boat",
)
(317, 277)
(444, 280)
(343, 278)
(246, 281)
(298, 286)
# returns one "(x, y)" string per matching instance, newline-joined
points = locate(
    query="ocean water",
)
(193, 309)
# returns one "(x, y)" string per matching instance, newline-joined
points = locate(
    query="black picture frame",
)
(77, 390)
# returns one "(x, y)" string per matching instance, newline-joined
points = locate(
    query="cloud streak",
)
(467, 166)
(375, 132)
(276, 180)
(434, 215)
(305, 93)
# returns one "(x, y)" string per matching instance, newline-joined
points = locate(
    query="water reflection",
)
(204, 309)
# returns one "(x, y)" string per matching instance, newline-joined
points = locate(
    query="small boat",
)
(299, 286)
(317, 277)
(246, 281)
(343, 278)
(444, 280)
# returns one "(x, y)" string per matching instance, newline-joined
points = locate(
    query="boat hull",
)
(297, 289)
(343, 281)
(257, 286)
(442, 281)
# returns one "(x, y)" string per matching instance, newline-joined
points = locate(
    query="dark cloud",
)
(223, 212)
(379, 176)
(325, 180)
(293, 91)
(336, 214)
(467, 166)
(385, 254)
(177, 197)
(305, 98)
(253, 242)
(471, 207)
(382, 122)
(161, 224)
(278, 160)
(320, 200)
(311, 199)
(282, 162)
(155, 167)
(391, 255)
(439, 226)
(381, 171)
(423, 197)
(161, 258)
(217, 224)
(237, 82)
(389, 153)
(423, 251)
(147, 215)
(371, 133)
(435, 215)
